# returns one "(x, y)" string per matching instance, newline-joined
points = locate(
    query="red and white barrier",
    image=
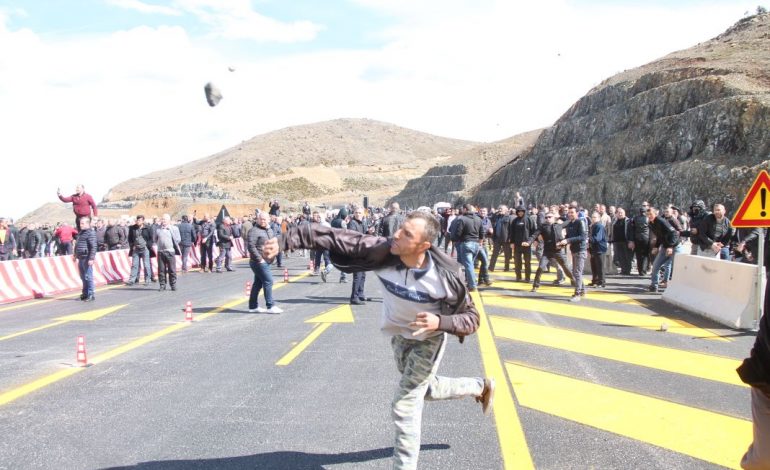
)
(31, 278)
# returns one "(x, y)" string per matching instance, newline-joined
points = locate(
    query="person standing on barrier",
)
(7, 241)
(576, 238)
(82, 203)
(85, 254)
(424, 300)
(166, 238)
(139, 241)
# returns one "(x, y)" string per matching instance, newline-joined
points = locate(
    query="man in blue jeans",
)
(140, 244)
(668, 244)
(263, 278)
(85, 253)
(466, 234)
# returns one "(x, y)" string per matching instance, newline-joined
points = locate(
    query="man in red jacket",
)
(82, 203)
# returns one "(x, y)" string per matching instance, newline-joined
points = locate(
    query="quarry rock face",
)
(692, 125)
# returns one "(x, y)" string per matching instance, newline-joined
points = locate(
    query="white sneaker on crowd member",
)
(274, 309)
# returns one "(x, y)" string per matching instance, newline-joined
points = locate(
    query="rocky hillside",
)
(459, 175)
(328, 162)
(693, 124)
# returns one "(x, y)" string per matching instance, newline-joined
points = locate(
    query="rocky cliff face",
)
(692, 125)
(458, 176)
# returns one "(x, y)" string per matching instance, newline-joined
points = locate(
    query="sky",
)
(95, 92)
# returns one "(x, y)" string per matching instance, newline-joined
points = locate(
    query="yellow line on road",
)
(36, 302)
(702, 434)
(32, 330)
(614, 317)
(513, 442)
(297, 350)
(566, 291)
(13, 394)
(705, 366)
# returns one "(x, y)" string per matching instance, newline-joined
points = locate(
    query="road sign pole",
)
(760, 277)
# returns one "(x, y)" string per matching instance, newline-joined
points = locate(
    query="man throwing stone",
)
(424, 299)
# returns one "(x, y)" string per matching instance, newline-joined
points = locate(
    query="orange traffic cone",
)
(247, 289)
(188, 313)
(81, 351)
(188, 304)
(285, 274)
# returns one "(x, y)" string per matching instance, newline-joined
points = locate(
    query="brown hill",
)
(694, 124)
(328, 162)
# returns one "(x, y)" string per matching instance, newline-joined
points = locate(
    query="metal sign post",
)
(760, 277)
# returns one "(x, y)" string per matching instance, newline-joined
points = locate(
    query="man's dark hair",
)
(139, 217)
(432, 226)
(185, 218)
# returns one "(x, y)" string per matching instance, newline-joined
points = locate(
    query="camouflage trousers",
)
(418, 360)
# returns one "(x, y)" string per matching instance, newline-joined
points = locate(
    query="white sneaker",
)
(258, 310)
(274, 309)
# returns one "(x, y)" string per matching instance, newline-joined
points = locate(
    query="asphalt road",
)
(592, 385)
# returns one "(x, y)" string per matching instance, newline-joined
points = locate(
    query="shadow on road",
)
(274, 460)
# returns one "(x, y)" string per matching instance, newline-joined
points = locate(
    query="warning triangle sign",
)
(754, 211)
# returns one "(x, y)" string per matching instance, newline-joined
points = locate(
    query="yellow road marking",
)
(86, 316)
(615, 317)
(513, 443)
(566, 290)
(35, 302)
(341, 314)
(702, 434)
(297, 350)
(18, 392)
(705, 366)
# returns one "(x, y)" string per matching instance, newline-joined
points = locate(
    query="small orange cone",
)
(285, 274)
(247, 289)
(188, 313)
(188, 304)
(81, 351)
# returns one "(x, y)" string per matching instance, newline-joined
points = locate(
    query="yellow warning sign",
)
(754, 211)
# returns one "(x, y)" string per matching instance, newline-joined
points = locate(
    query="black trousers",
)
(357, 292)
(522, 253)
(623, 257)
(207, 249)
(166, 266)
(505, 247)
(642, 253)
(597, 268)
(557, 258)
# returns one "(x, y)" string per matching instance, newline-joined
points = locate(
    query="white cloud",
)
(143, 7)
(101, 109)
(235, 19)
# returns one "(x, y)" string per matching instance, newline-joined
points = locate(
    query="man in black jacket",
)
(140, 251)
(466, 233)
(639, 229)
(715, 234)
(391, 222)
(113, 235)
(225, 244)
(186, 240)
(667, 243)
(501, 238)
(33, 241)
(85, 253)
(522, 227)
(424, 299)
(357, 224)
(620, 241)
(577, 238)
(260, 266)
(550, 234)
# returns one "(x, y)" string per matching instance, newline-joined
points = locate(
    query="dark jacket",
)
(101, 245)
(639, 229)
(114, 237)
(207, 232)
(467, 228)
(620, 231)
(576, 235)
(357, 226)
(666, 235)
(356, 252)
(598, 239)
(390, 225)
(9, 245)
(551, 235)
(521, 229)
(133, 233)
(707, 232)
(225, 236)
(502, 227)
(256, 239)
(33, 241)
(186, 234)
(85, 248)
(755, 370)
